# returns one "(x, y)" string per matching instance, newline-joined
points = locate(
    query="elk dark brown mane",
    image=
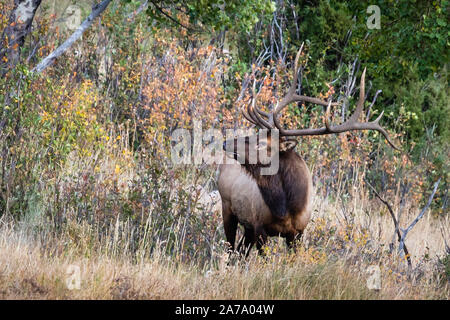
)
(278, 204)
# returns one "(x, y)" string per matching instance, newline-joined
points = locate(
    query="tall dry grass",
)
(331, 263)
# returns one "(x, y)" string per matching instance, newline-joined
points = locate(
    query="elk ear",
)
(288, 145)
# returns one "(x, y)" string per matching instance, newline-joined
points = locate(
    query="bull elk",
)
(279, 204)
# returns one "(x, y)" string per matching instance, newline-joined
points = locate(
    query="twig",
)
(405, 232)
(371, 105)
(161, 10)
(143, 6)
(96, 11)
(397, 228)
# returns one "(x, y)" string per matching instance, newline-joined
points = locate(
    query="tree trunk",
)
(96, 11)
(13, 36)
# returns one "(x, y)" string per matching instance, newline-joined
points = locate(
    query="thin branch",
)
(420, 216)
(443, 233)
(96, 11)
(371, 105)
(397, 228)
(170, 17)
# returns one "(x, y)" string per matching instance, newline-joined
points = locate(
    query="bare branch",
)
(430, 199)
(141, 8)
(96, 11)
(161, 10)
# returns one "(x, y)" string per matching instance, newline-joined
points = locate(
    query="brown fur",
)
(277, 205)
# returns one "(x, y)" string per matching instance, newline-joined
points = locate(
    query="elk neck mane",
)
(282, 192)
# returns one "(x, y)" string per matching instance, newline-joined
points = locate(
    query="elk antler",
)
(256, 115)
(253, 114)
(271, 122)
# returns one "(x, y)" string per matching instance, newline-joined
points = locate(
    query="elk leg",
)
(230, 223)
(291, 240)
